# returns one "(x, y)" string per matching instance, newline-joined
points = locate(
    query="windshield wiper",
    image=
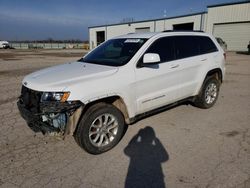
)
(80, 60)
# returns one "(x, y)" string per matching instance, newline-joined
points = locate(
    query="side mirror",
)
(151, 58)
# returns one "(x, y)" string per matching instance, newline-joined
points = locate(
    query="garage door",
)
(236, 35)
(142, 29)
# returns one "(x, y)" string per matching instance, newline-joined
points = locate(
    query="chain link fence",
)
(49, 45)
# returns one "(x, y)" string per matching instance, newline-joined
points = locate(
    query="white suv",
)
(121, 81)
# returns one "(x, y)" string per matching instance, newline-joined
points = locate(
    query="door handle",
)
(174, 66)
(204, 59)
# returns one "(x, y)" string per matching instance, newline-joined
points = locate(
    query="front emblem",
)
(25, 83)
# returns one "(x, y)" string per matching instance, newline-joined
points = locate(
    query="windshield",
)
(114, 52)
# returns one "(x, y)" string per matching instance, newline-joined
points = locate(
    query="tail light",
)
(225, 55)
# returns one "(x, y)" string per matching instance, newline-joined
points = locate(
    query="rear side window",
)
(206, 45)
(164, 47)
(188, 46)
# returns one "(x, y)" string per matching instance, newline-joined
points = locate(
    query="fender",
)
(117, 100)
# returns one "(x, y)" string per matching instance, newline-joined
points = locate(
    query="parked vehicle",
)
(121, 81)
(4, 44)
(222, 43)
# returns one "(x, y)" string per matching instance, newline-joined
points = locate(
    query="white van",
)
(4, 44)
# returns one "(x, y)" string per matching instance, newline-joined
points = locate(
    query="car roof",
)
(148, 35)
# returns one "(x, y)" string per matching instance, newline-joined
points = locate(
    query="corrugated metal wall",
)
(227, 14)
(236, 35)
(230, 23)
(155, 26)
(233, 14)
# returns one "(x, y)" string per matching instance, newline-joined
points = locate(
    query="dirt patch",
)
(11, 59)
(67, 54)
(7, 56)
(230, 133)
(230, 81)
(183, 179)
(20, 54)
(238, 74)
(8, 100)
(1, 182)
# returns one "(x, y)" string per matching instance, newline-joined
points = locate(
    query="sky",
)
(70, 19)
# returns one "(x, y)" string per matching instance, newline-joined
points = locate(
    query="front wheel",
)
(100, 128)
(208, 94)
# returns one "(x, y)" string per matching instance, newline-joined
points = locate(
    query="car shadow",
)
(146, 155)
(185, 102)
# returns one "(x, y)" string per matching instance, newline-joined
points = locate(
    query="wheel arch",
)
(215, 72)
(116, 101)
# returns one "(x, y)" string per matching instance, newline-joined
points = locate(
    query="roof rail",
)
(199, 31)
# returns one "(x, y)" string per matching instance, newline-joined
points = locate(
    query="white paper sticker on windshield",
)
(132, 40)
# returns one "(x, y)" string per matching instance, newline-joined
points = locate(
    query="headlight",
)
(55, 96)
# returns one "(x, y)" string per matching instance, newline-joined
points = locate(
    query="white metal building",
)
(229, 21)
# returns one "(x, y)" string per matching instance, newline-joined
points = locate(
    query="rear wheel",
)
(208, 94)
(100, 128)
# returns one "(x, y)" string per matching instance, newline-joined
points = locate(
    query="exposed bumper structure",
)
(33, 120)
(49, 117)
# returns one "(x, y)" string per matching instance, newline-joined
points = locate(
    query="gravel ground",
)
(191, 147)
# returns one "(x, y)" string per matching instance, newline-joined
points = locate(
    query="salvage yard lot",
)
(199, 148)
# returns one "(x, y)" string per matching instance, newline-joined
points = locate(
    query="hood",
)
(58, 78)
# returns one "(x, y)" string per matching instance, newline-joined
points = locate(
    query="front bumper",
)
(35, 120)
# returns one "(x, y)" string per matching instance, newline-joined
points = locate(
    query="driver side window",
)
(164, 47)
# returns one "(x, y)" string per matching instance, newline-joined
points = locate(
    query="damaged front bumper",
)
(52, 117)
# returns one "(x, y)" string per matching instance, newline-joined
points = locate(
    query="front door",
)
(158, 85)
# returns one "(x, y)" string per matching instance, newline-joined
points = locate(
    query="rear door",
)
(189, 61)
(193, 54)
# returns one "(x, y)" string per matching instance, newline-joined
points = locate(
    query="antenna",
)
(165, 13)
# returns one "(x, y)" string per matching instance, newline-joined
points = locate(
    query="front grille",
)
(30, 99)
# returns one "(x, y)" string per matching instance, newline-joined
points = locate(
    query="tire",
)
(100, 129)
(208, 94)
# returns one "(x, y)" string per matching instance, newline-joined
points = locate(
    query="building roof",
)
(229, 3)
(167, 18)
(173, 17)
